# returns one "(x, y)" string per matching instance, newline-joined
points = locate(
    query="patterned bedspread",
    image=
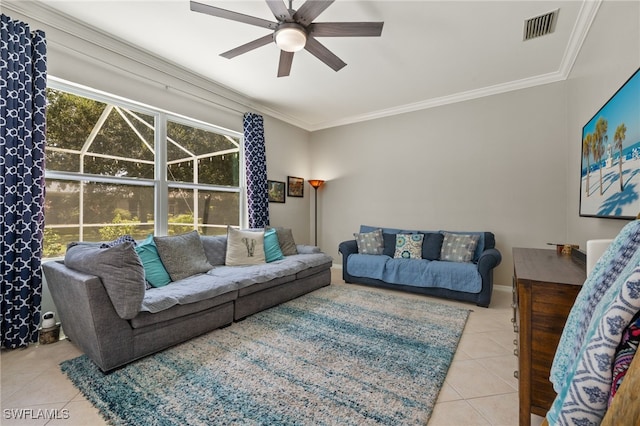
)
(582, 368)
(624, 354)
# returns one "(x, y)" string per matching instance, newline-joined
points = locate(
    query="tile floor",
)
(479, 389)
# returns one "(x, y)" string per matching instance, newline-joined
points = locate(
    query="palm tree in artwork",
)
(587, 147)
(618, 137)
(600, 138)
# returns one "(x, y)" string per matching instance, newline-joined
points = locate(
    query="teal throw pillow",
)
(272, 249)
(408, 246)
(154, 270)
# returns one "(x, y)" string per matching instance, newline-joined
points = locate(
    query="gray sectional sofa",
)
(437, 271)
(114, 316)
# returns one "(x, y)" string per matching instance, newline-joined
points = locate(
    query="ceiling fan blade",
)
(284, 67)
(346, 29)
(247, 47)
(280, 10)
(234, 16)
(324, 54)
(310, 11)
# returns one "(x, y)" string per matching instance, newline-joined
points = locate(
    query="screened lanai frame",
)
(161, 184)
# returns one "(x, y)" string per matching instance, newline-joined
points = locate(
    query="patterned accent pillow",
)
(408, 246)
(458, 247)
(370, 242)
(244, 247)
(182, 255)
(121, 239)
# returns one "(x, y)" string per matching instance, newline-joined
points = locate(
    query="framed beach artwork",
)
(610, 170)
(275, 189)
(295, 186)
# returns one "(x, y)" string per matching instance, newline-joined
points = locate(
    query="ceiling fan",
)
(294, 31)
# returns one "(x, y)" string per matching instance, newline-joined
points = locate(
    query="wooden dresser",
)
(545, 286)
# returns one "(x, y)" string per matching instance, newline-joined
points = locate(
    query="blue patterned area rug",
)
(341, 355)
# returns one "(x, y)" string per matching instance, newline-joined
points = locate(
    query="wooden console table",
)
(545, 286)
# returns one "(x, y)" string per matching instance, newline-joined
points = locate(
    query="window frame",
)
(160, 182)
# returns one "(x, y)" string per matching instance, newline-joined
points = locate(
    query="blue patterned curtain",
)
(256, 165)
(23, 83)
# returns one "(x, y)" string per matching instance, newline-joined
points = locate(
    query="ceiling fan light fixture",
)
(290, 37)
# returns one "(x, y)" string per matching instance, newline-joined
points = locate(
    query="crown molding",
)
(225, 97)
(586, 15)
(447, 100)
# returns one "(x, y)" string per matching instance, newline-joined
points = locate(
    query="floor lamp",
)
(316, 183)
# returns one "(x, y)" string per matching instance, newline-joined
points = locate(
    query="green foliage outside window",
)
(88, 137)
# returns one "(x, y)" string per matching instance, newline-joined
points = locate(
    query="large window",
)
(114, 168)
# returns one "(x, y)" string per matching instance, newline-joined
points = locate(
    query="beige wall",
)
(496, 164)
(507, 163)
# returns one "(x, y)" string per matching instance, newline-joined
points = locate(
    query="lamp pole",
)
(316, 183)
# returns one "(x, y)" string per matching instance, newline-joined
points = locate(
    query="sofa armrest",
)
(88, 316)
(347, 248)
(489, 259)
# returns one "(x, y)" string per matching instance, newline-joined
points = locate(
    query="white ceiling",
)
(430, 52)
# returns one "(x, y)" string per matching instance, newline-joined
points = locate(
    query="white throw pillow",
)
(244, 247)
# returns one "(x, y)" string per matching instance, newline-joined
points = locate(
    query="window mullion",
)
(161, 205)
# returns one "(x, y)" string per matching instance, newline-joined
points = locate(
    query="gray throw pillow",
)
(215, 248)
(120, 270)
(370, 242)
(458, 247)
(182, 255)
(286, 241)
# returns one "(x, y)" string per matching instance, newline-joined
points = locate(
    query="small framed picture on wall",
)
(295, 186)
(276, 191)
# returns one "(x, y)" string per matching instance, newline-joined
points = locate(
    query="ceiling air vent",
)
(540, 25)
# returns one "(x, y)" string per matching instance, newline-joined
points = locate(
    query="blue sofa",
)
(469, 281)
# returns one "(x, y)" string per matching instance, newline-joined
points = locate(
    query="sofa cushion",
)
(187, 291)
(389, 241)
(458, 247)
(120, 270)
(215, 248)
(409, 246)
(432, 245)
(272, 251)
(154, 271)
(286, 241)
(146, 318)
(182, 255)
(370, 242)
(244, 247)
